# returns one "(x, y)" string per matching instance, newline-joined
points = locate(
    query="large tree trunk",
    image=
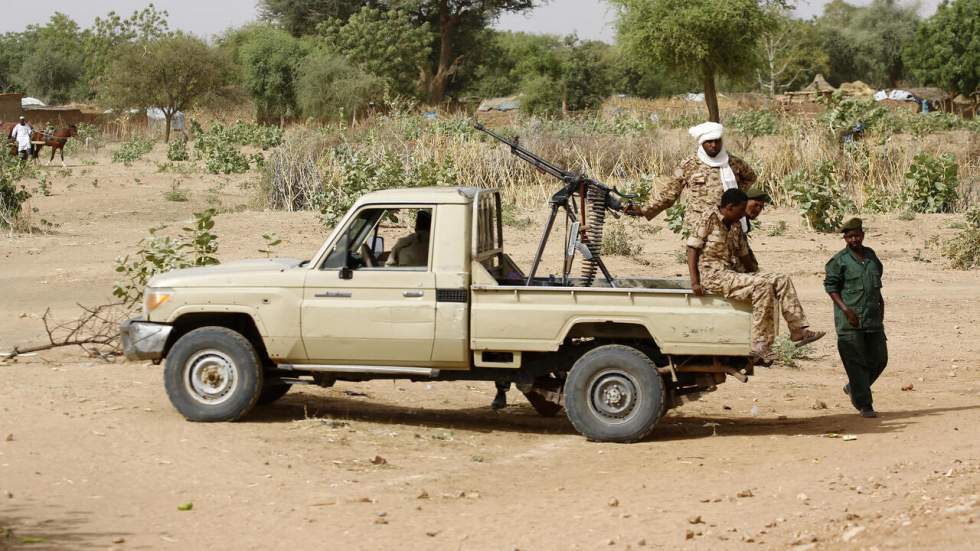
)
(168, 116)
(445, 66)
(711, 94)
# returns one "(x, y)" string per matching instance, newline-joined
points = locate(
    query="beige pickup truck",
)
(415, 284)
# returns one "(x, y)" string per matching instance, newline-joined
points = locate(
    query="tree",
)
(452, 20)
(169, 74)
(384, 43)
(330, 87)
(946, 48)
(109, 33)
(301, 17)
(790, 53)
(269, 64)
(709, 37)
(53, 67)
(880, 31)
(832, 25)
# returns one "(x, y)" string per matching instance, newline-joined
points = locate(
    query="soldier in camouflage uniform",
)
(701, 178)
(713, 247)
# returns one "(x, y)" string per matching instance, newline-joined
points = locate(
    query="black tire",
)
(614, 393)
(272, 390)
(213, 374)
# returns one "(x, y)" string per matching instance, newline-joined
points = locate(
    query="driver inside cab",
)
(413, 250)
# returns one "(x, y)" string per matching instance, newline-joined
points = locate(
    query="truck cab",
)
(416, 284)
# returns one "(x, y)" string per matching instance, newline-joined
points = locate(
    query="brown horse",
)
(56, 140)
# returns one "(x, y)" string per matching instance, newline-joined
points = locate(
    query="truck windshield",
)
(352, 239)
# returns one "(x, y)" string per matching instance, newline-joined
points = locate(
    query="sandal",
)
(763, 356)
(808, 337)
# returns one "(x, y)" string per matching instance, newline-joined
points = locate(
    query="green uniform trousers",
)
(865, 355)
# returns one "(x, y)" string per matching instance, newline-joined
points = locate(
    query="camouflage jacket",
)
(720, 245)
(702, 188)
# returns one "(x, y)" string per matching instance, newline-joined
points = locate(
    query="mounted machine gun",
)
(585, 202)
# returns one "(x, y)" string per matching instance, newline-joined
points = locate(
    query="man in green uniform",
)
(854, 283)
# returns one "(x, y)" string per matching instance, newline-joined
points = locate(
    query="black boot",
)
(500, 400)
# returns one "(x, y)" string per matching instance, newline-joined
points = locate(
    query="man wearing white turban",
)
(701, 178)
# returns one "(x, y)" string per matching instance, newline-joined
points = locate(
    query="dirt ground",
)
(92, 455)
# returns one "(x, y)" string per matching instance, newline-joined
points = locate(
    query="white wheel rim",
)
(210, 377)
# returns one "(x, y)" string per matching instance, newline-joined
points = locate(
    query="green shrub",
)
(358, 173)
(216, 147)
(177, 150)
(540, 95)
(330, 88)
(821, 198)
(754, 123)
(12, 194)
(617, 242)
(675, 219)
(963, 250)
(931, 184)
(159, 254)
(787, 352)
(89, 137)
(132, 151)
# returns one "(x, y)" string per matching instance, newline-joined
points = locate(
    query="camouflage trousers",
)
(763, 290)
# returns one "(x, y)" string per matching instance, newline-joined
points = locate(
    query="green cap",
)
(852, 224)
(758, 194)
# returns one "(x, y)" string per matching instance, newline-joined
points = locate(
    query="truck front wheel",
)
(613, 393)
(213, 374)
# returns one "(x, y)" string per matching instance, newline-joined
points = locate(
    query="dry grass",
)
(615, 148)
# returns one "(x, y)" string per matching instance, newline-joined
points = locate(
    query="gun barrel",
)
(524, 154)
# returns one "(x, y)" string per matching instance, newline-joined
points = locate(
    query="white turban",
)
(706, 131)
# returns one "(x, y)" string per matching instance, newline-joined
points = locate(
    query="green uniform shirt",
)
(859, 284)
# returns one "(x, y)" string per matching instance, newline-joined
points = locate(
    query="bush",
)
(675, 219)
(177, 150)
(820, 196)
(216, 147)
(158, 254)
(330, 88)
(754, 123)
(132, 151)
(540, 95)
(963, 251)
(358, 173)
(931, 184)
(251, 133)
(618, 242)
(12, 195)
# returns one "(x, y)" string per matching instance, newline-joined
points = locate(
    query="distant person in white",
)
(22, 134)
(413, 250)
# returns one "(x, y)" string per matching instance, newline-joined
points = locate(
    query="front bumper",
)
(142, 340)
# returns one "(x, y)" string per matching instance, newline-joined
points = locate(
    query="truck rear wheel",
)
(213, 374)
(613, 393)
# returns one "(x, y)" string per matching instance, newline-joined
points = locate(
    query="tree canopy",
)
(946, 49)
(383, 43)
(169, 74)
(269, 63)
(706, 37)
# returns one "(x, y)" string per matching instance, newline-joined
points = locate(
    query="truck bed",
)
(508, 315)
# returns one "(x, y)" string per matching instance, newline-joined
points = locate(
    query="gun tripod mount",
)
(585, 202)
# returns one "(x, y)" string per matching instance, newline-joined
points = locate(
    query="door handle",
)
(334, 294)
(413, 294)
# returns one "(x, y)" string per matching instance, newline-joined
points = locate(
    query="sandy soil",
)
(92, 455)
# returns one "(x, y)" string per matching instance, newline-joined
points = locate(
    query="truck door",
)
(373, 299)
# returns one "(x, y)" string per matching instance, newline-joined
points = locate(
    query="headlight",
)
(155, 298)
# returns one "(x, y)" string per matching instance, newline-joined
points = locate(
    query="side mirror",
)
(378, 246)
(346, 273)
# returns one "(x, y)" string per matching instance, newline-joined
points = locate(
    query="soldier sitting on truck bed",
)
(413, 250)
(758, 199)
(712, 250)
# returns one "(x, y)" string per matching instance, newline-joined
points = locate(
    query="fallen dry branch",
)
(96, 331)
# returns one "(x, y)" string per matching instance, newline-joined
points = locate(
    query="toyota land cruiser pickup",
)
(415, 284)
